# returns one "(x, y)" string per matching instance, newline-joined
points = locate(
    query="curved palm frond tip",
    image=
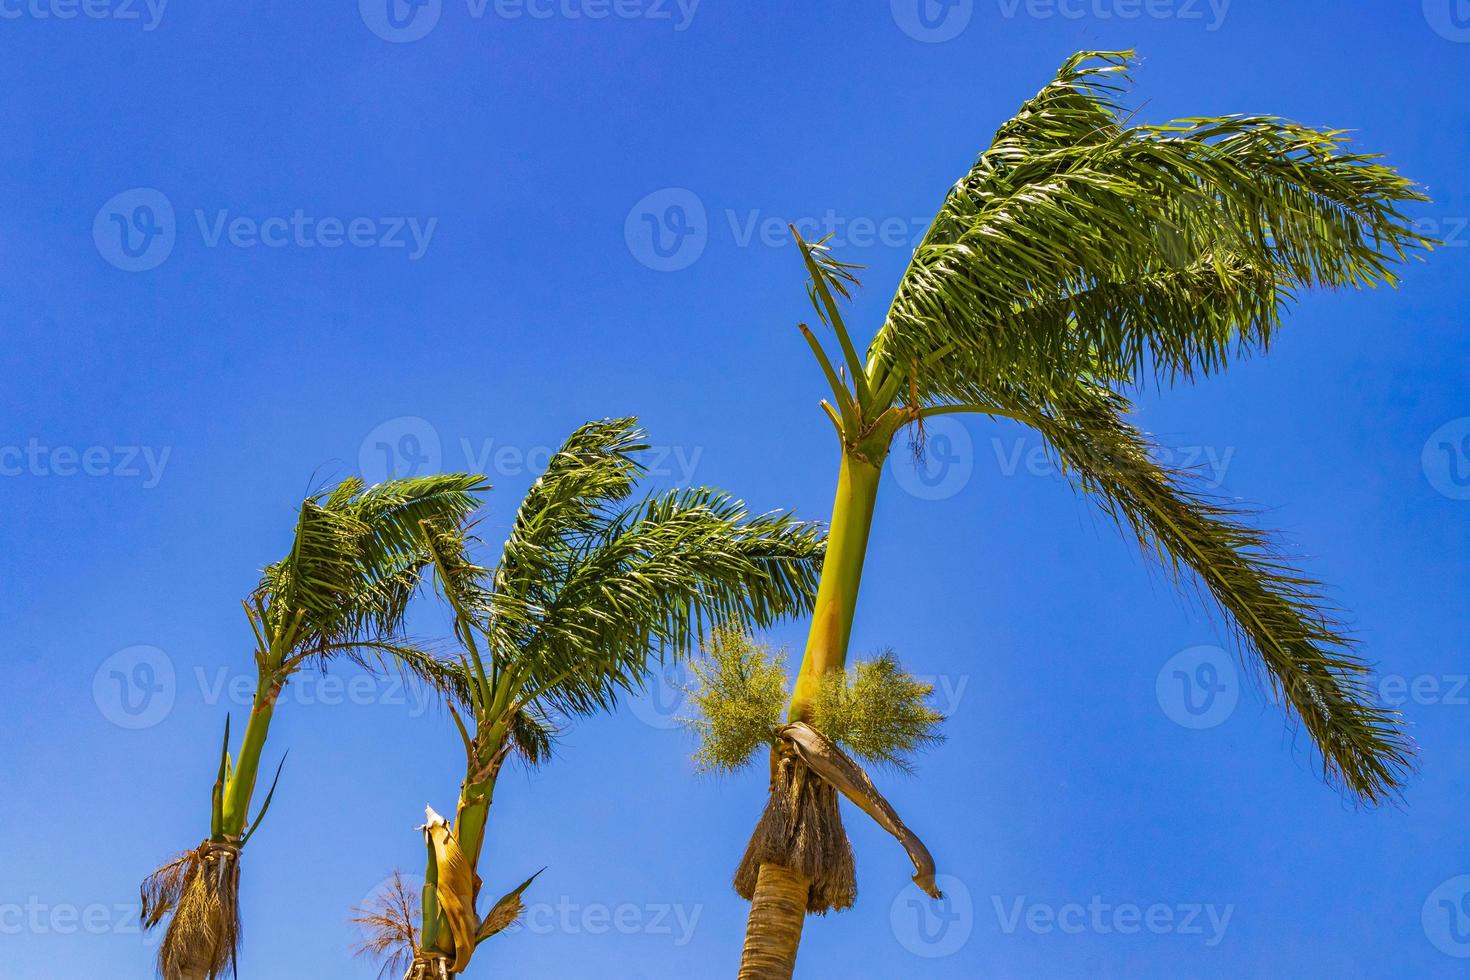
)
(1080, 242)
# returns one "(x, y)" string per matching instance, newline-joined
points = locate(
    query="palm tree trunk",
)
(777, 912)
(242, 780)
(779, 901)
(842, 572)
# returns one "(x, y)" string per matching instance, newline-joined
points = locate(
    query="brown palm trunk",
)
(777, 911)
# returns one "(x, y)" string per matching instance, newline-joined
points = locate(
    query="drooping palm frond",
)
(1277, 614)
(1081, 242)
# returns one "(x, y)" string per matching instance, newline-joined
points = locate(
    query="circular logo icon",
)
(1198, 688)
(399, 448)
(933, 927)
(1446, 459)
(1446, 917)
(1450, 19)
(135, 687)
(932, 21)
(667, 230)
(135, 230)
(661, 704)
(946, 465)
(400, 21)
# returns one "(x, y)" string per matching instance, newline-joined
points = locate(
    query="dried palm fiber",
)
(201, 889)
(801, 831)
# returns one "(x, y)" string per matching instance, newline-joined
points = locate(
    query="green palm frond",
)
(354, 563)
(1276, 613)
(1081, 242)
(596, 466)
(654, 578)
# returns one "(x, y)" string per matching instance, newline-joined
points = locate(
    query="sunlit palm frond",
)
(1082, 242)
(658, 575)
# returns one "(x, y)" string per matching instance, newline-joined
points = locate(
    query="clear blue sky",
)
(170, 396)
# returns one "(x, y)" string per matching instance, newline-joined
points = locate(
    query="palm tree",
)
(341, 591)
(1080, 254)
(589, 587)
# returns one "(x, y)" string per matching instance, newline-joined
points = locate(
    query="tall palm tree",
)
(1080, 254)
(589, 587)
(341, 591)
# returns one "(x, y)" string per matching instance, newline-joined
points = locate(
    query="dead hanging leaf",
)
(505, 911)
(823, 757)
(455, 889)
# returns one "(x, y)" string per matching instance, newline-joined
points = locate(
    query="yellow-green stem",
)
(247, 764)
(842, 572)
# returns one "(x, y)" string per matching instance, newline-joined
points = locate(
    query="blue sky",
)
(348, 249)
